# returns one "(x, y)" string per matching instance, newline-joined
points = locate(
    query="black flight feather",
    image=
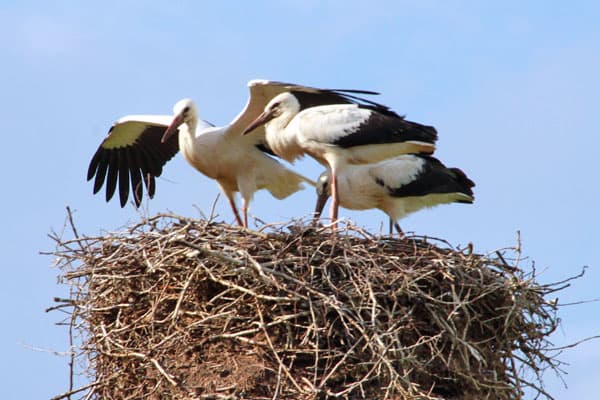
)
(123, 176)
(435, 178)
(382, 128)
(101, 172)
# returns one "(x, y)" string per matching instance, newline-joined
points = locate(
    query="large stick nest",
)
(177, 308)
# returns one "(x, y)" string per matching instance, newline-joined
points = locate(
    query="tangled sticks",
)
(190, 309)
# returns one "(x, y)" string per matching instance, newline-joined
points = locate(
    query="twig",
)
(74, 391)
(575, 344)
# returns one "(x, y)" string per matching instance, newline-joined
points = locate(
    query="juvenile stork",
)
(357, 132)
(138, 146)
(397, 186)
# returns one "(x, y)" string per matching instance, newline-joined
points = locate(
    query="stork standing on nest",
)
(138, 146)
(397, 186)
(356, 132)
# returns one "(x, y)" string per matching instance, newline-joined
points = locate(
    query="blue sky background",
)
(512, 88)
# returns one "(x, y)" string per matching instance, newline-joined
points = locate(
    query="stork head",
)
(184, 112)
(284, 105)
(323, 190)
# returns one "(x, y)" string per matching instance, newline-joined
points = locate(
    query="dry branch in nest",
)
(177, 308)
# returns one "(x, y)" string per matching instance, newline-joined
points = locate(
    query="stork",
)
(397, 186)
(138, 146)
(357, 132)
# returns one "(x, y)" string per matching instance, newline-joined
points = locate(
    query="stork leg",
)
(235, 211)
(334, 201)
(400, 232)
(245, 212)
(246, 184)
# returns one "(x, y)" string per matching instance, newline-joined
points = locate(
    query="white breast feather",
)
(357, 189)
(283, 140)
(327, 124)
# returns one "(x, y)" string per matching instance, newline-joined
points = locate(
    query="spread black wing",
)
(132, 156)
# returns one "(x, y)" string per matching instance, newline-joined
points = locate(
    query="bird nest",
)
(178, 308)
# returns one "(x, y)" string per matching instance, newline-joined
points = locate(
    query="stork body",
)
(397, 186)
(137, 148)
(337, 135)
(237, 163)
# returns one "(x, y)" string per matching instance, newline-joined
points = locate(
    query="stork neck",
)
(191, 126)
(281, 122)
(195, 127)
(282, 138)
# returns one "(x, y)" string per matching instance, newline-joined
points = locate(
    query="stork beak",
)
(262, 119)
(321, 201)
(172, 129)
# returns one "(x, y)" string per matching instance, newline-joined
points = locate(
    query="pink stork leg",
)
(235, 211)
(335, 201)
(400, 232)
(245, 212)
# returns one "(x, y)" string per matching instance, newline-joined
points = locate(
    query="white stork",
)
(397, 186)
(335, 135)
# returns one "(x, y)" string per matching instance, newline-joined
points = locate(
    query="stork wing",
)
(421, 175)
(132, 152)
(371, 127)
(262, 91)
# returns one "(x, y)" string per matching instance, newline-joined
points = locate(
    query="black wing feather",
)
(153, 158)
(312, 96)
(297, 87)
(94, 164)
(101, 171)
(137, 188)
(357, 91)
(140, 159)
(113, 171)
(435, 178)
(382, 128)
(127, 166)
(137, 175)
(321, 97)
(149, 162)
(124, 176)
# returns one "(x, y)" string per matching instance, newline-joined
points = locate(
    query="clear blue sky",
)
(512, 88)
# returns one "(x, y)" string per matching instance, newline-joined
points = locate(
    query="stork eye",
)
(186, 109)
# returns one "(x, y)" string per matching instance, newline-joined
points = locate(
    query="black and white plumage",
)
(354, 131)
(134, 153)
(397, 186)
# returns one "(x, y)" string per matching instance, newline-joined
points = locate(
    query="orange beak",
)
(172, 129)
(262, 119)
(321, 201)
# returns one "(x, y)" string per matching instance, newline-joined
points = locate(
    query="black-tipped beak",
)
(262, 119)
(321, 201)
(172, 129)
